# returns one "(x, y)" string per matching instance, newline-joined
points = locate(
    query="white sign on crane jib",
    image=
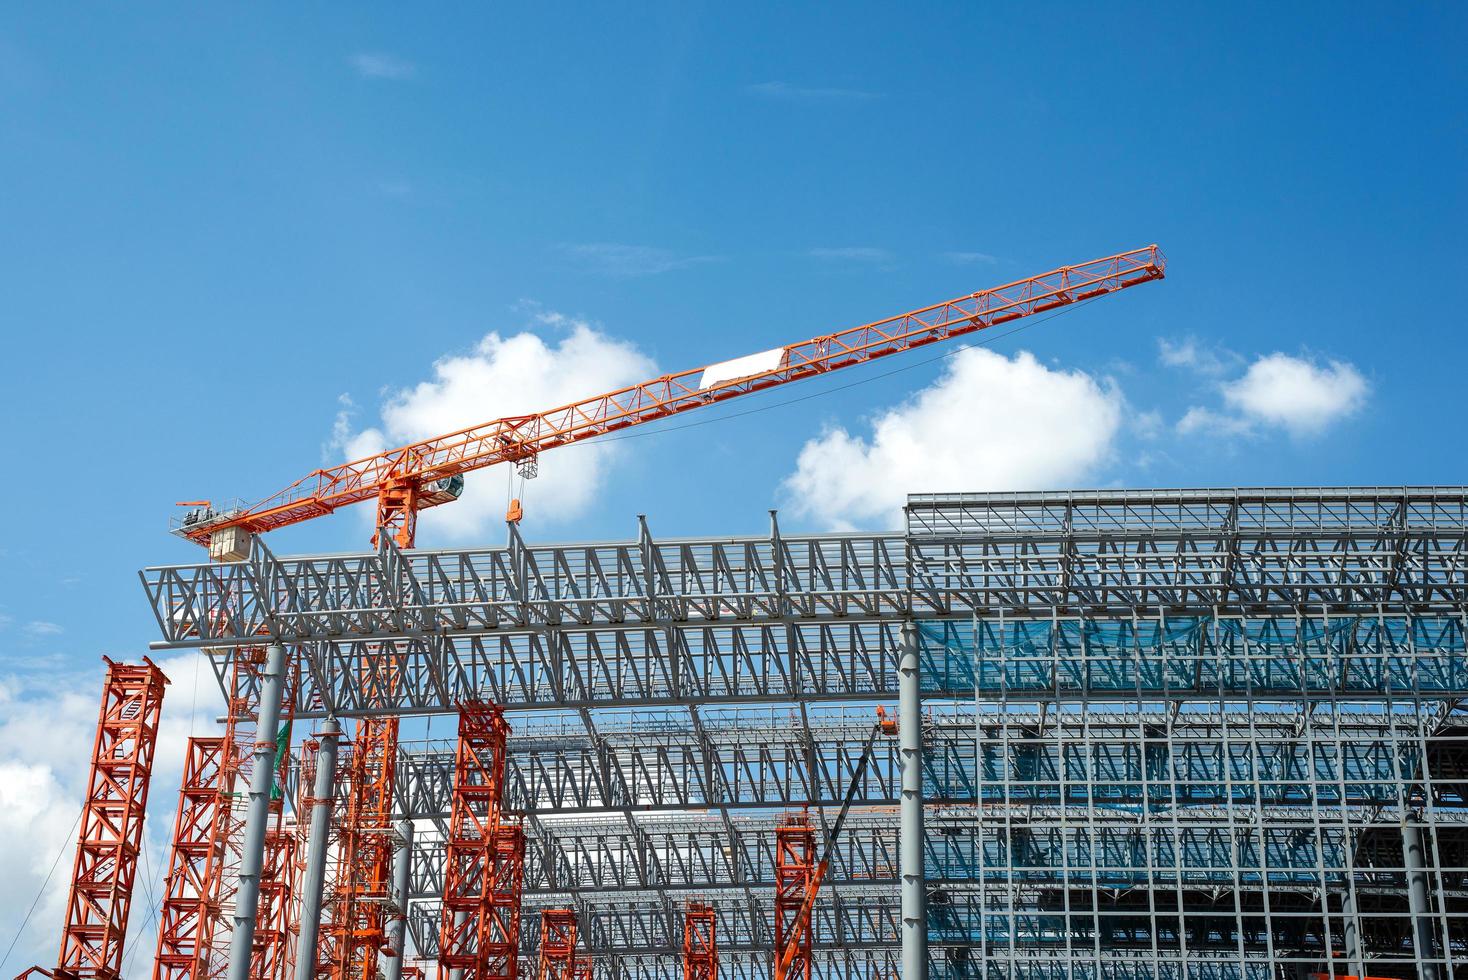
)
(742, 367)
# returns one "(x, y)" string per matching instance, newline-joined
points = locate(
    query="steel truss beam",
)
(1267, 552)
(677, 853)
(645, 762)
(704, 621)
(646, 923)
(760, 760)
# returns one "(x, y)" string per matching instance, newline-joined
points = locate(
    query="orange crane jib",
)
(406, 476)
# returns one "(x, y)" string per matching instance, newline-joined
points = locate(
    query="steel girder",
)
(649, 762)
(763, 759)
(651, 923)
(689, 853)
(694, 621)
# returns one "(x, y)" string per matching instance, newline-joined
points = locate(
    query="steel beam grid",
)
(1162, 727)
(693, 853)
(651, 922)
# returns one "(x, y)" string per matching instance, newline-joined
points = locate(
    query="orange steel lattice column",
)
(204, 860)
(364, 854)
(557, 944)
(189, 914)
(795, 862)
(274, 929)
(479, 934)
(357, 931)
(584, 968)
(112, 822)
(700, 942)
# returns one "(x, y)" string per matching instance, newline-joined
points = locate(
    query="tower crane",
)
(425, 474)
(429, 473)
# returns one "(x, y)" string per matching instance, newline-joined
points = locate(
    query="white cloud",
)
(1297, 394)
(502, 376)
(1147, 425)
(970, 258)
(989, 423)
(621, 261)
(1190, 354)
(787, 92)
(39, 628)
(1202, 421)
(377, 64)
(852, 253)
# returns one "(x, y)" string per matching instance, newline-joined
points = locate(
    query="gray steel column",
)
(397, 926)
(1351, 938)
(1423, 933)
(910, 843)
(257, 814)
(313, 881)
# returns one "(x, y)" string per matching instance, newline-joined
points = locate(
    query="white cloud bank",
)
(380, 65)
(989, 423)
(1300, 395)
(1297, 394)
(502, 376)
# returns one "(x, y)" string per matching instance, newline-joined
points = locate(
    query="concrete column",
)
(257, 814)
(910, 843)
(1423, 931)
(397, 926)
(313, 880)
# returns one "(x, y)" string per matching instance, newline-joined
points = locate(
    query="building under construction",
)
(1207, 734)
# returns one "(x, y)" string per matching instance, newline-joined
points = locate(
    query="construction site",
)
(1199, 734)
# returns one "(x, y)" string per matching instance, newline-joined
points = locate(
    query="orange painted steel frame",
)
(189, 913)
(205, 851)
(583, 969)
(557, 944)
(700, 942)
(795, 876)
(112, 822)
(396, 478)
(479, 933)
(356, 931)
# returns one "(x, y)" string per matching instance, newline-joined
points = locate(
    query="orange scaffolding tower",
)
(700, 942)
(795, 869)
(189, 915)
(111, 829)
(557, 945)
(479, 934)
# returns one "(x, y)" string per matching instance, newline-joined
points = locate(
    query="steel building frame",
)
(1209, 734)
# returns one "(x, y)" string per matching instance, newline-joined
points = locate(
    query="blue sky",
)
(223, 222)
